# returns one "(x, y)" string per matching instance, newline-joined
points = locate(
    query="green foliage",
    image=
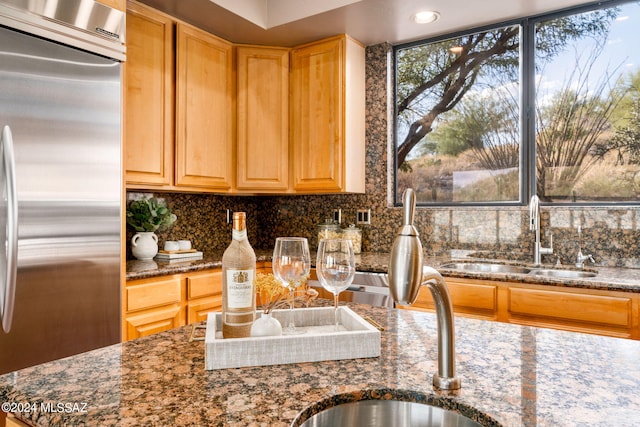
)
(434, 78)
(149, 215)
(626, 141)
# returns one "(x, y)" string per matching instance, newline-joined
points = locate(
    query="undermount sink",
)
(564, 274)
(373, 413)
(484, 267)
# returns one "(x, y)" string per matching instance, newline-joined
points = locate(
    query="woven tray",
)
(319, 341)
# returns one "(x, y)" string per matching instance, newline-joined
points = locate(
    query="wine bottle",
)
(238, 288)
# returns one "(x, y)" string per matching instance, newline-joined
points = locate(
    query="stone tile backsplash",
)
(610, 234)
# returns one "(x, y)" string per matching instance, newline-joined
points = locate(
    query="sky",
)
(621, 52)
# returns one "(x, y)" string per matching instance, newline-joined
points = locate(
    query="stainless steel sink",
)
(563, 274)
(370, 413)
(487, 267)
(483, 267)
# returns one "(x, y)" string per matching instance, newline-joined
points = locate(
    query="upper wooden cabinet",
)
(328, 116)
(263, 119)
(179, 127)
(149, 98)
(202, 115)
(205, 115)
(116, 4)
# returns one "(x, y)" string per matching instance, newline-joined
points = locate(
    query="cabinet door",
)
(469, 297)
(154, 292)
(204, 294)
(152, 305)
(153, 321)
(148, 82)
(263, 118)
(204, 284)
(327, 114)
(198, 310)
(573, 310)
(205, 116)
(116, 4)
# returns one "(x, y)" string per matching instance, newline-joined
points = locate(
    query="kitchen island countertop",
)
(517, 375)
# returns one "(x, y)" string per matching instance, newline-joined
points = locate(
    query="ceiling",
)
(293, 22)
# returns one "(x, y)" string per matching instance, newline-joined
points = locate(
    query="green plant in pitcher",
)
(150, 214)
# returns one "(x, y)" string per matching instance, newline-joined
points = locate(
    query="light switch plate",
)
(364, 216)
(337, 215)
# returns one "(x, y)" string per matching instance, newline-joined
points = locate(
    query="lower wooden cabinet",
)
(471, 298)
(602, 312)
(204, 294)
(161, 303)
(153, 321)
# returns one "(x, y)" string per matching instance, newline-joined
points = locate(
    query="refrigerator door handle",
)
(10, 259)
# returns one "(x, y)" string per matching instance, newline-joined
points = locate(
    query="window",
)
(461, 137)
(587, 107)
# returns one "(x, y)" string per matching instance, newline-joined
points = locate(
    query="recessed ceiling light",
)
(425, 17)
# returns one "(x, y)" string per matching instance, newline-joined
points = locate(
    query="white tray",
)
(319, 340)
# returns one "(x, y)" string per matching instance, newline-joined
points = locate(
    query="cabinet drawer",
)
(605, 310)
(464, 296)
(198, 310)
(153, 321)
(482, 297)
(153, 293)
(205, 284)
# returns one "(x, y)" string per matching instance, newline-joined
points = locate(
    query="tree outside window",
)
(458, 120)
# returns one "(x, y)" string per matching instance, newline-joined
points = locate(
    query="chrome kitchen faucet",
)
(407, 274)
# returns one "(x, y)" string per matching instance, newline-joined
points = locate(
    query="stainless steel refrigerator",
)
(60, 178)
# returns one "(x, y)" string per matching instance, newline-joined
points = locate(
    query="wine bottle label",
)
(240, 288)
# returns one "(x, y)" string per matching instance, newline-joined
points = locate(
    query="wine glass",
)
(335, 267)
(291, 264)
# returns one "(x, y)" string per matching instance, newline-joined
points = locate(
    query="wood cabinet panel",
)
(583, 310)
(201, 115)
(153, 321)
(263, 118)
(327, 116)
(205, 116)
(149, 98)
(567, 306)
(198, 309)
(471, 298)
(153, 293)
(116, 4)
(204, 284)
(159, 303)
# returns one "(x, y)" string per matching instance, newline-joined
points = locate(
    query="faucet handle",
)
(549, 250)
(409, 207)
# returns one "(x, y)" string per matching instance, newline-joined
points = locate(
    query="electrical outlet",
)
(337, 215)
(229, 216)
(364, 216)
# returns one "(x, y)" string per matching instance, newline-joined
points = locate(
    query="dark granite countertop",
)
(608, 278)
(517, 375)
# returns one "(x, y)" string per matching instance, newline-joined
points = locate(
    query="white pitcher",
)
(144, 245)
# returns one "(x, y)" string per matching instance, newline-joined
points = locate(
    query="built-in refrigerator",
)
(60, 178)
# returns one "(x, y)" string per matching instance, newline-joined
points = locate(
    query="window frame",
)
(527, 107)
